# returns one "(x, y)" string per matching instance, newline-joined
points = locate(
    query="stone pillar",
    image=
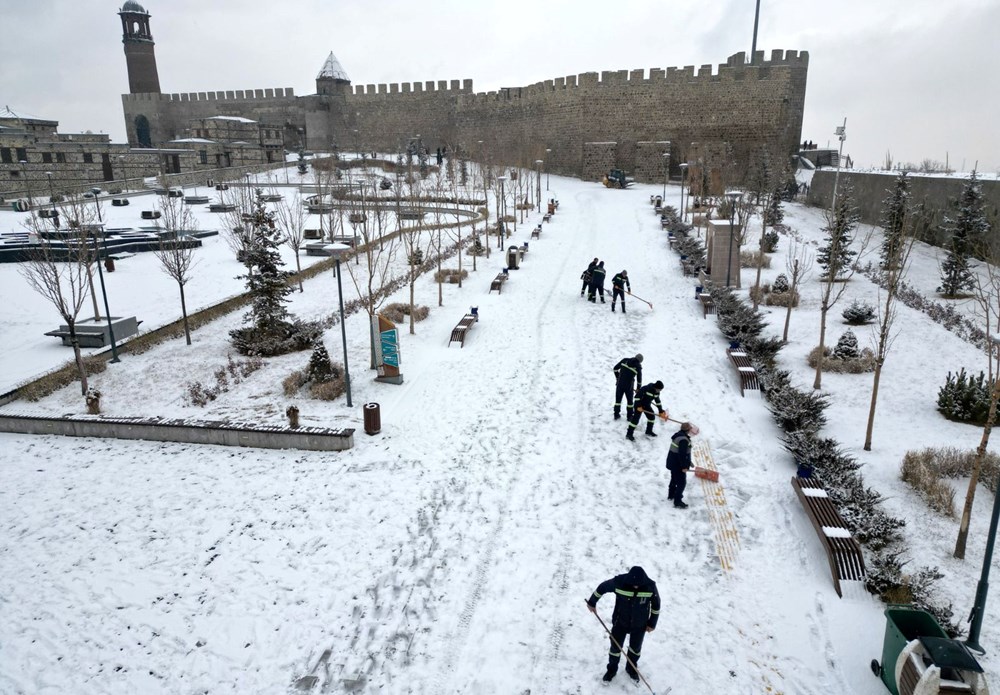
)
(720, 239)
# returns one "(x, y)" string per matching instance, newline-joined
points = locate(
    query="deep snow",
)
(452, 552)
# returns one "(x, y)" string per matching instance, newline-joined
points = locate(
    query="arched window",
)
(142, 131)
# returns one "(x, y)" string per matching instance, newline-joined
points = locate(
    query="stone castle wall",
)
(743, 105)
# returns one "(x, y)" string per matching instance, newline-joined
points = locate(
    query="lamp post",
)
(548, 152)
(338, 252)
(100, 275)
(538, 182)
(52, 193)
(979, 605)
(841, 133)
(684, 168)
(732, 197)
(666, 172)
(501, 211)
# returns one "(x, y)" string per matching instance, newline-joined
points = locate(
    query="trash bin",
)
(513, 257)
(109, 264)
(373, 418)
(902, 625)
(552, 208)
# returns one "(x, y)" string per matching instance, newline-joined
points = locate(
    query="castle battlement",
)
(735, 69)
(230, 95)
(453, 86)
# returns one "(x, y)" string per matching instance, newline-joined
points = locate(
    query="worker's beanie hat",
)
(659, 385)
(638, 357)
(686, 426)
(624, 272)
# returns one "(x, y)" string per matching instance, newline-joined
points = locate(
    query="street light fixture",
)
(100, 274)
(732, 197)
(666, 173)
(338, 251)
(538, 181)
(548, 152)
(684, 168)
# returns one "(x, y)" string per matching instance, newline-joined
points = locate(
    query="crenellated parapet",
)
(430, 86)
(230, 95)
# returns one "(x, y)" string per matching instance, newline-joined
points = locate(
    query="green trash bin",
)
(902, 625)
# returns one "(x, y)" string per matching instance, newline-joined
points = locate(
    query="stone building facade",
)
(743, 105)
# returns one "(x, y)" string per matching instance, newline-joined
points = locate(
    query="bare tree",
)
(799, 263)
(238, 232)
(58, 272)
(837, 260)
(80, 218)
(175, 252)
(896, 252)
(291, 216)
(414, 246)
(371, 275)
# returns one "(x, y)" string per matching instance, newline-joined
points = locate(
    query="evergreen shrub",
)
(859, 313)
(965, 399)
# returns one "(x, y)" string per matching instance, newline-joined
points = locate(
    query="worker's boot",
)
(610, 673)
(632, 673)
(612, 307)
(649, 430)
(618, 413)
(623, 307)
(628, 433)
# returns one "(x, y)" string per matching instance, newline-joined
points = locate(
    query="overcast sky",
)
(917, 78)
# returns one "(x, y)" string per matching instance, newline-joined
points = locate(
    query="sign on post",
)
(387, 356)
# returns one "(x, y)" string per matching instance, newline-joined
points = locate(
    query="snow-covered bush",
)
(750, 259)
(320, 368)
(781, 284)
(919, 472)
(965, 399)
(841, 363)
(847, 347)
(450, 275)
(859, 313)
(737, 320)
(797, 411)
(770, 241)
(398, 312)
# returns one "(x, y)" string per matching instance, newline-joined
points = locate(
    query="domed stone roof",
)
(133, 6)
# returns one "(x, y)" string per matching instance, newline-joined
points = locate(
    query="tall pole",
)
(979, 605)
(732, 220)
(666, 173)
(756, 20)
(343, 335)
(841, 133)
(548, 152)
(684, 168)
(24, 174)
(104, 293)
(538, 182)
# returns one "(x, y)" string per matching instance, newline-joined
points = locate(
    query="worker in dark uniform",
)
(586, 276)
(637, 608)
(597, 283)
(679, 463)
(618, 284)
(648, 396)
(628, 373)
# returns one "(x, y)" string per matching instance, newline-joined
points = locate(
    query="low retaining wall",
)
(184, 431)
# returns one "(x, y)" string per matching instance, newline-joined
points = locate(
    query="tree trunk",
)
(760, 263)
(792, 290)
(871, 410)
(298, 266)
(413, 280)
(93, 294)
(818, 381)
(970, 495)
(184, 314)
(77, 356)
(460, 256)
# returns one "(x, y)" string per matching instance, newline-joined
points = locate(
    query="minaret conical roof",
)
(332, 70)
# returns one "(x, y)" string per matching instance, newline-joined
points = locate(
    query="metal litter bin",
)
(373, 418)
(905, 625)
(513, 257)
(109, 264)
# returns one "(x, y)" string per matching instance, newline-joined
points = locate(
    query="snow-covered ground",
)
(452, 552)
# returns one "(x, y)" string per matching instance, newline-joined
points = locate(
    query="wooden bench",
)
(707, 304)
(547, 217)
(497, 283)
(536, 232)
(459, 331)
(150, 214)
(747, 374)
(846, 560)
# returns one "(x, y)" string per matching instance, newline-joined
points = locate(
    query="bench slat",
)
(843, 552)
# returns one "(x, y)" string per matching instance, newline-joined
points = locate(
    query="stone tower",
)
(139, 56)
(332, 79)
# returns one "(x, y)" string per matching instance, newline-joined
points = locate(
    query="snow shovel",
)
(640, 299)
(624, 653)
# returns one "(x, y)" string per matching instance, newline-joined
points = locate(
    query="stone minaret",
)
(139, 56)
